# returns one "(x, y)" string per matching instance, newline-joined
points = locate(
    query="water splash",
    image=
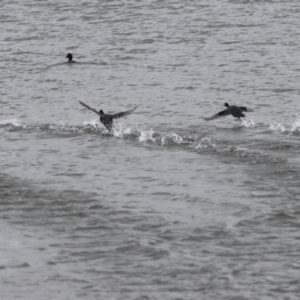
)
(14, 122)
(92, 123)
(239, 151)
(206, 143)
(296, 127)
(277, 127)
(121, 131)
(147, 135)
(248, 123)
(171, 138)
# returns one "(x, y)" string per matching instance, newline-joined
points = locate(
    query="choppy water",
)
(167, 206)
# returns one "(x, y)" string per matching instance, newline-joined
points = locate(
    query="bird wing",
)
(123, 114)
(92, 109)
(222, 113)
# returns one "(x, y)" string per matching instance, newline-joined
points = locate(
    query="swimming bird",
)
(236, 111)
(106, 119)
(70, 57)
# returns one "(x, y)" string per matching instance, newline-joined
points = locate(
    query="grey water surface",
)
(167, 205)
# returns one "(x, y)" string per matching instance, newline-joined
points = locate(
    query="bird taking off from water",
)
(236, 111)
(106, 119)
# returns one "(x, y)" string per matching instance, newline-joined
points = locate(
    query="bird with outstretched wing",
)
(107, 119)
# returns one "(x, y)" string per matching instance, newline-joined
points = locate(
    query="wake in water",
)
(224, 144)
(122, 131)
(294, 128)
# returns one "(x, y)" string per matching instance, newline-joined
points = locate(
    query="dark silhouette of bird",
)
(107, 119)
(70, 57)
(236, 111)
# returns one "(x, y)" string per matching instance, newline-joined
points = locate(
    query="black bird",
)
(236, 111)
(106, 119)
(70, 57)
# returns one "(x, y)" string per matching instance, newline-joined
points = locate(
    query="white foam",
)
(277, 127)
(123, 129)
(14, 122)
(146, 135)
(238, 150)
(173, 137)
(93, 123)
(296, 127)
(206, 143)
(57, 125)
(248, 123)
